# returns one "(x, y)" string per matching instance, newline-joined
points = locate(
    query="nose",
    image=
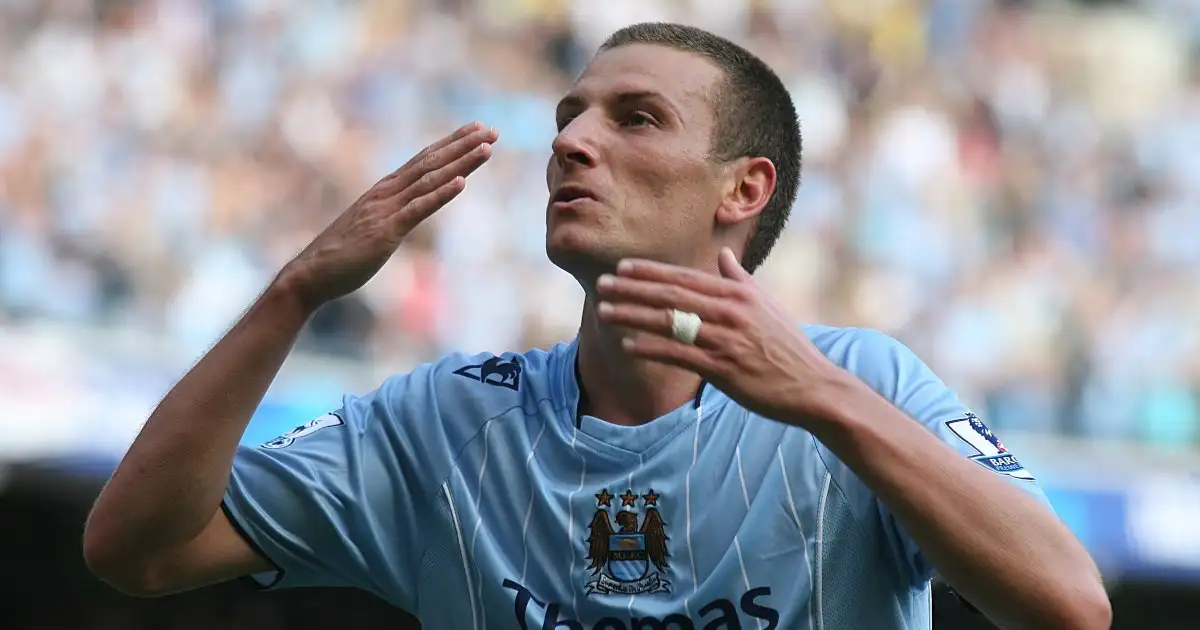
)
(576, 143)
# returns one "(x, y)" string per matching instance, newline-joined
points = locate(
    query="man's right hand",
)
(157, 526)
(349, 252)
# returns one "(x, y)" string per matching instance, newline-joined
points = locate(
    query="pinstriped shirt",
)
(470, 493)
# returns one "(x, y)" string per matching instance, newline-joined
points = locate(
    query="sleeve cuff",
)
(260, 581)
(965, 602)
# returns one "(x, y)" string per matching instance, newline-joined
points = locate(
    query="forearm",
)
(995, 544)
(170, 482)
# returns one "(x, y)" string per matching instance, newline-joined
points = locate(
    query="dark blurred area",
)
(46, 586)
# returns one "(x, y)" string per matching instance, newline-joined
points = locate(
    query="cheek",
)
(662, 186)
(553, 174)
(686, 190)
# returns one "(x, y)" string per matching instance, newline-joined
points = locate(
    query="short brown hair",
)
(754, 115)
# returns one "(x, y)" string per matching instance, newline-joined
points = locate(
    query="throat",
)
(634, 399)
(620, 389)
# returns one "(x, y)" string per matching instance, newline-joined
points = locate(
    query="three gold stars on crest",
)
(604, 498)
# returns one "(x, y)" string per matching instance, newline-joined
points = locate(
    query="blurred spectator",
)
(1014, 193)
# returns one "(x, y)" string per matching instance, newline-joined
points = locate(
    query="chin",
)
(583, 253)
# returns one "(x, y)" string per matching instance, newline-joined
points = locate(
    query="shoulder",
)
(415, 425)
(878, 359)
(499, 381)
(463, 391)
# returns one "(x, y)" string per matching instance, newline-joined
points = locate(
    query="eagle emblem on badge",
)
(632, 558)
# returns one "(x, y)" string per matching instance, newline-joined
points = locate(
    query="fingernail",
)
(605, 281)
(604, 307)
(625, 265)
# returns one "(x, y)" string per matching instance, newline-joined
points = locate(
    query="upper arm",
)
(339, 501)
(897, 374)
(217, 554)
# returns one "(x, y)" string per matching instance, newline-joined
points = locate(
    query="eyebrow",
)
(575, 101)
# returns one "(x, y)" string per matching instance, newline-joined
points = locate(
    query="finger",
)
(431, 181)
(671, 352)
(730, 267)
(445, 155)
(425, 205)
(664, 296)
(457, 134)
(658, 321)
(434, 160)
(694, 279)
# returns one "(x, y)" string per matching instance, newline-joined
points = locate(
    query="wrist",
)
(829, 399)
(286, 294)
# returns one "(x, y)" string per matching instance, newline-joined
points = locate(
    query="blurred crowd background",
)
(1011, 188)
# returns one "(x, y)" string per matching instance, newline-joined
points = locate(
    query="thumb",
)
(730, 268)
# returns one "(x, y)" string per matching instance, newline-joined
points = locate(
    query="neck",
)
(620, 389)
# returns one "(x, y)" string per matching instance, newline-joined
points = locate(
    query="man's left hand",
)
(747, 346)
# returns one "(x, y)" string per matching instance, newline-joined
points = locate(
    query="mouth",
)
(571, 193)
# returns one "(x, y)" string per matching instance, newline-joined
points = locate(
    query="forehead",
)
(681, 77)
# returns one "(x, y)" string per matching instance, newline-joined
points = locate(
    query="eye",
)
(638, 119)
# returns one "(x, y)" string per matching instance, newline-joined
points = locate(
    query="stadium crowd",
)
(1015, 193)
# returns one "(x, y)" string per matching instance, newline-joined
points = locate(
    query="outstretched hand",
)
(747, 346)
(352, 249)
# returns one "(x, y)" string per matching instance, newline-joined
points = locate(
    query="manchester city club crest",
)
(630, 559)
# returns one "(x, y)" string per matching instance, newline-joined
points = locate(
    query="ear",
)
(751, 184)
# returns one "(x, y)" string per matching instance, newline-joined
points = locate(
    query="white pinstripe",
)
(737, 454)
(479, 515)
(529, 508)
(787, 485)
(632, 595)
(737, 545)
(462, 550)
(571, 521)
(820, 586)
(687, 494)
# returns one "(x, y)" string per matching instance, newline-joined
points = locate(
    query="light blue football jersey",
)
(469, 493)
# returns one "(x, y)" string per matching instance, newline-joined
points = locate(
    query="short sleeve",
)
(338, 500)
(897, 374)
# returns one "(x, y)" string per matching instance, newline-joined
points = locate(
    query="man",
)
(691, 460)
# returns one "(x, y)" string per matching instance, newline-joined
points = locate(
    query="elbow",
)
(1086, 599)
(1091, 609)
(1075, 603)
(1084, 605)
(117, 567)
